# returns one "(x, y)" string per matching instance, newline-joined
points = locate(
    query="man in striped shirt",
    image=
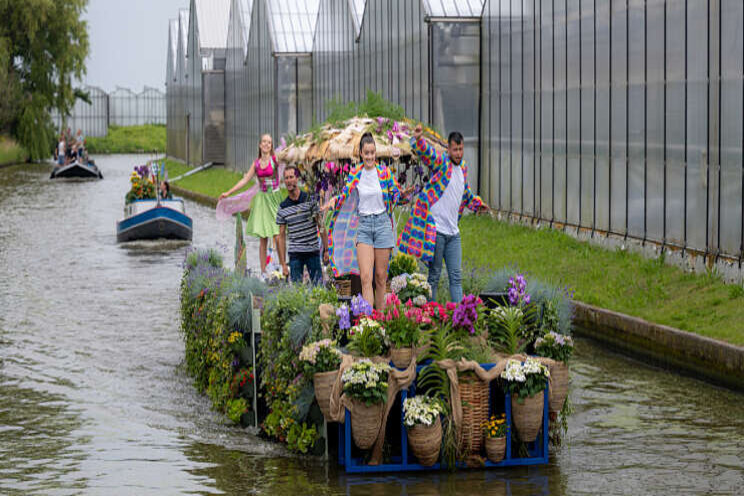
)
(299, 217)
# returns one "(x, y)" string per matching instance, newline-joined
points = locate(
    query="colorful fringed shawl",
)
(420, 233)
(345, 220)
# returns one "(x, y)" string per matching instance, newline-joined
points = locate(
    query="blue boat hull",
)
(156, 223)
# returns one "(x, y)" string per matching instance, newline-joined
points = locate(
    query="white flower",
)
(419, 300)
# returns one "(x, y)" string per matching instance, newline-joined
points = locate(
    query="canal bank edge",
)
(716, 361)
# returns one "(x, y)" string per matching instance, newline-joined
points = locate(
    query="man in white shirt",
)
(443, 200)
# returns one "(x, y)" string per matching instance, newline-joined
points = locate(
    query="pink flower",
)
(346, 167)
(451, 306)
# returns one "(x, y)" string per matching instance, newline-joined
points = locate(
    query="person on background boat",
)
(80, 143)
(363, 219)
(432, 233)
(299, 220)
(61, 151)
(264, 198)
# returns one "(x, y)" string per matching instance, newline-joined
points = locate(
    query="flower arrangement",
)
(402, 264)
(555, 346)
(517, 291)
(367, 338)
(411, 286)
(320, 356)
(465, 315)
(240, 379)
(142, 186)
(524, 378)
(496, 427)
(366, 382)
(421, 410)
(402, 330)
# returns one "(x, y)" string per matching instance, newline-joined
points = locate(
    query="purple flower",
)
(359, 306)
(342, 313)
(466, 313)
(518, 291)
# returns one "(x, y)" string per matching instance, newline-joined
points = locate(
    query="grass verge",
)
(149, 138)
(211, 182)
(11, 152)
(614, 279)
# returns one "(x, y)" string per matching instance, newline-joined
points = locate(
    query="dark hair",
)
(367, 138)
(167, 188)
(455, 136)
(293, 168)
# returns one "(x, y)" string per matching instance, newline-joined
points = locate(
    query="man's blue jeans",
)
(298, 262)
(447, 249)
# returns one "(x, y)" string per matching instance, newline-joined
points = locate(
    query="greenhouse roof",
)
(453, 8)
(183, 23)
(213, 17)
(292, 24)
(173, 41)
(245, 9)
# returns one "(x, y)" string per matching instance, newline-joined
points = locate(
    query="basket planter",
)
(323, 383)
(343, 287)
(495, 448)
(401, 357)
(528, 416)
(474, 397)
(387, 287)
(425, 441)
(558, 386)
(365, 423)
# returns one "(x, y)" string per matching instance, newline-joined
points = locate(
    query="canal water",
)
(94, 398)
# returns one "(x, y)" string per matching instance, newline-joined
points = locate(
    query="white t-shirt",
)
(61, 148)
(446, 210)
(370, 193)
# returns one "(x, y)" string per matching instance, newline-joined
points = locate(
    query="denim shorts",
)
(375, 230)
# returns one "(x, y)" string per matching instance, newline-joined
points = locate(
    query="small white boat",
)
(153, 219)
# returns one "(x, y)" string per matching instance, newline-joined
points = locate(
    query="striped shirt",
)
(299, 217)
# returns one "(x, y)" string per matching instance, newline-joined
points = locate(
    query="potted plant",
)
(526, 381)
(412, 287)
(421, 418)
(366, 385)
(495, 431)
(321, 360)
(367, 338)
(402, 330)
(557, 347)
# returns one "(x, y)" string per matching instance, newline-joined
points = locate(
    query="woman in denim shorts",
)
(368, 199)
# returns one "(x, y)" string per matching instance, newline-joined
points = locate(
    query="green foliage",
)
(147, 138)
(210, 182)
(236, 408)
(506, 326)
(367, 339)
(43, 46)
(239, 311)
(443, 345)
(402, 332)
(10, 151)
(402, 264)
(373, 106)
(301, 438)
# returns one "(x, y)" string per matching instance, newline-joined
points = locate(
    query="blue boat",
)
(153, 219)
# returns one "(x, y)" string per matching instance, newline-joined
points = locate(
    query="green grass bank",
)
(149, 138)
(617, 280)
(211, 182)
(11, 152)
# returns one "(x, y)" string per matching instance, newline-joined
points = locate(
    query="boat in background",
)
(154, 219)
(77, 170)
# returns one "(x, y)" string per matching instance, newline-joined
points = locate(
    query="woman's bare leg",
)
(262, 252)
(382, 257)
(366, 261)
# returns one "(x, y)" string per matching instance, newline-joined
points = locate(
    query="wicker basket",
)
(401, 357)
(365, 423)
(343, 287)
(495, 448)
(425, 441)
(559, 386)
(387, 287)
(528, 416)
(474, 397)
(323, 383)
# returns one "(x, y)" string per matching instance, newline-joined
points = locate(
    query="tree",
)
(43, 46)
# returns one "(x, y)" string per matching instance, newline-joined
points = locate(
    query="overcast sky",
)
(129, 42)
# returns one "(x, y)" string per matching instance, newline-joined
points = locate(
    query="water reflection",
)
(94, 398)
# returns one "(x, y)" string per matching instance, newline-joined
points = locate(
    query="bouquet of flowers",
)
(524, 378)
(402, 330)
(367, 338)
(320, 356)
(142, 186)
(556, 346)
(411, 287)
(496, 427)
(366, 382)
(421, 410)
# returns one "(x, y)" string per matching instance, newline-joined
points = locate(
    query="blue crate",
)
(538, 450)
